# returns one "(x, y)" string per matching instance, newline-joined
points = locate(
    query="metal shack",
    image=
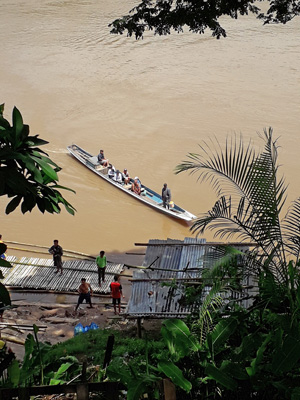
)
(157, 290)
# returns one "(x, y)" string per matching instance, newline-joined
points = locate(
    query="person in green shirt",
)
(101, 263)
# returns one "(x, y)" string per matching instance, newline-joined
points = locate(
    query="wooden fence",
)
(110, 389)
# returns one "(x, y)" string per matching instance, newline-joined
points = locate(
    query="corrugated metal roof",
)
(38, 273)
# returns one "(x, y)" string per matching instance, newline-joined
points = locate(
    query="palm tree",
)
(254, 352)
(251, 200)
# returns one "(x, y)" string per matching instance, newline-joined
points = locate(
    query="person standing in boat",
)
(57, 252)
(102, 160)
(101, 264)
(166, 196)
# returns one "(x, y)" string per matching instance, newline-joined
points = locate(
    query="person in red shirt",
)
(116, 293)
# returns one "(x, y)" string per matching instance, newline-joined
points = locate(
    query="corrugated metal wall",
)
(149, 297)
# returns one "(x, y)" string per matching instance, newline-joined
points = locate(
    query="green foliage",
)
(164, 16)
(254, 353)
(37, 368)
(175, 374)
(178, 338)
(4, 296)
(27, 175)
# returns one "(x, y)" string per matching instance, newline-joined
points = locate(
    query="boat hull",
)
(150, 198)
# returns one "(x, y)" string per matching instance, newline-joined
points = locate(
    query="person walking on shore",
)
(116, 293)
(57, 252)
(101, 263)
(85, 292)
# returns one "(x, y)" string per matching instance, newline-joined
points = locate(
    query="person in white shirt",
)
(118, 177)
(126, 176)
(111, 171)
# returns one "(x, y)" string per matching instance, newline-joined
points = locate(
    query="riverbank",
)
(54, 314)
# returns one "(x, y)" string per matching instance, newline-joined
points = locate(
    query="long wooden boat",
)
(148, 196)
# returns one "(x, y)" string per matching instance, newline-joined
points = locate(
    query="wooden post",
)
(83, 373)
(108, 351)
(82, 391)
(139, 327)
(169, 390)
(23, 393)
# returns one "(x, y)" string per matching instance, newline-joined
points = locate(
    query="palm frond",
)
(291, 226)
(256, 197)
(218, 259)
(225, 171)
(212, 302)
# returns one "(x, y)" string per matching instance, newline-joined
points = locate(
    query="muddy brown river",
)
(147, 103)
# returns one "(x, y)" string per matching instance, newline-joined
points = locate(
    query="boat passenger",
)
(136, 187)
(138, 180)
(111, 171)
(166, 196)
(102, 160)
(126, 176)
(118, 177)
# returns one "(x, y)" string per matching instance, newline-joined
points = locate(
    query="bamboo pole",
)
(43, 252)
(135, 254)
(212, 244)
(13, 339)
(46, 247)
(8, 324)
(165, 279)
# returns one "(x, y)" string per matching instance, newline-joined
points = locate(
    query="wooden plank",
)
(13, 339)
(105, 387)
(21, 325)
(82, 392)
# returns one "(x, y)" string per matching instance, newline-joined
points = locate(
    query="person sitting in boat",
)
(126, 176)
(102, 160)
(118, 177)
(136, 186)
(139, 182)
(111, 171)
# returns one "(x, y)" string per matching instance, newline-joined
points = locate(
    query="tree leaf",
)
(179, 338)
(49, 171)
(175, 374)
(17, 122)
(221, 377)
(222, 331)
(13, 372)
(61, 370)
(13, 204)
(286, 357)
(4, 295)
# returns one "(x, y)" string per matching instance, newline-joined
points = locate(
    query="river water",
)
(147, 103)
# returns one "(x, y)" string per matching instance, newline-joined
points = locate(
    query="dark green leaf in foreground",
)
(175, 374)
